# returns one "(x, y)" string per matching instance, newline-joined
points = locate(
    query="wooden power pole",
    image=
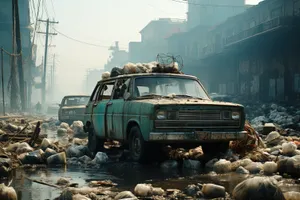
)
(13, 72)
(19, 59)
(45, 58)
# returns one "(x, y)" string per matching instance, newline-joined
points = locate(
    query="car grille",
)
(196, 124)
(199, 115)
(198, 119)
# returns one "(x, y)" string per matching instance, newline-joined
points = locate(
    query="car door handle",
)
(109, 103)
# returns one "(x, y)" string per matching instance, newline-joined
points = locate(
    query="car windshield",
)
(75, 101)
(168, 87)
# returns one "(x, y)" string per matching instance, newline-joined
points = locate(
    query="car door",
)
(89, 107)
(115, 110)
(99, 109)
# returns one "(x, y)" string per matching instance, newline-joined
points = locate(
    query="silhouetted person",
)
(38, 107)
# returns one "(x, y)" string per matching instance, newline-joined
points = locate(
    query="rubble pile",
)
(283, 116)
(135, 68)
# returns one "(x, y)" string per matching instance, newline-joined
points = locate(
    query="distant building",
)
(212, 12)
(92, 77)
(118, 58)
(153, 39)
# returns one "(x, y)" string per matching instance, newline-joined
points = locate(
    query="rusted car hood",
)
(181, 101)
(74, 107)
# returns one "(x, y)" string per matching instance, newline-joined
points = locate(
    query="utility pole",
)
(45, 58)
(13, 72)
(2, 81)
(19, 50)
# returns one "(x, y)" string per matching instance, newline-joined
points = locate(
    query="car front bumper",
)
(197, 136)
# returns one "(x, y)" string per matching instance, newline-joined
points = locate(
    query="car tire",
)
(137, 146)
(95, 144)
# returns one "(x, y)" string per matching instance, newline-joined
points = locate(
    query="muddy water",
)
(126, 175)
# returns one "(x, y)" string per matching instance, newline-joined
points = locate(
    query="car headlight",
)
(161, 115)
(235, 115)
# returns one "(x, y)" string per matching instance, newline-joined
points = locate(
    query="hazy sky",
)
(99, 22)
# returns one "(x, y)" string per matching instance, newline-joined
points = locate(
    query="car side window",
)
(121, 88)
(106, 91)
(95, 93)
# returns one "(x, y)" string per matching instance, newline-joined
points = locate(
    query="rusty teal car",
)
(145, 111)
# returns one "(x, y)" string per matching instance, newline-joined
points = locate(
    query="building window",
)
(277, 12)
(297, 83)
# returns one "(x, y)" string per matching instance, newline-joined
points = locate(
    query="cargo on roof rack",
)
(136, 68)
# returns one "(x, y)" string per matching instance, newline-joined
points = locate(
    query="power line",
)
(207, 5)
(82, 42)
(53, 8)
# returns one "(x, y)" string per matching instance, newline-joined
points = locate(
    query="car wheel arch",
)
(130, 125)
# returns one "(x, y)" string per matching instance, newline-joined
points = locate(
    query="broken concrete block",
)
(268, 128)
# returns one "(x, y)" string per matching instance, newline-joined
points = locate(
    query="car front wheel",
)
(137, 146)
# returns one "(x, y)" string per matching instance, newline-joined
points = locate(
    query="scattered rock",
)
(105, 183)
(158, 191)
(289, 166)
(169, 165)
(210, 164)
(57, 159)
(77, 128)
(143, 190)
(84, 159)
(7, 193)
(192, 164)
(62, 131)
(100, 158)
(49, 152)
(5, 166)
(78, 141)
(192, 190)
(273, 138)
(62, 181)
(77, 151)
(34, 157)
(254, 167)
(270, 168)
(64, 125)
(267, 187)
(289, 148)
(242, 170)
(45, 144)
(213, 191)
(125, 195)
(222, 166)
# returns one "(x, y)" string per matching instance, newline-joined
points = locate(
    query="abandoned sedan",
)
(146, 110)
(72, 108)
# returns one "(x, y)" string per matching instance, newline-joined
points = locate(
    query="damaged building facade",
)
(255, 54)
(153, 39)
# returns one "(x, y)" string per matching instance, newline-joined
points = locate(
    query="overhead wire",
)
(79, 41)
(206, 5)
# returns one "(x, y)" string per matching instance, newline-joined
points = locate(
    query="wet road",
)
(126, 175)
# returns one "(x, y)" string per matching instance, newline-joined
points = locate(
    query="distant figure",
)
(38, 107)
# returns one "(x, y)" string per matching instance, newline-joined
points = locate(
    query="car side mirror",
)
(126, 95)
